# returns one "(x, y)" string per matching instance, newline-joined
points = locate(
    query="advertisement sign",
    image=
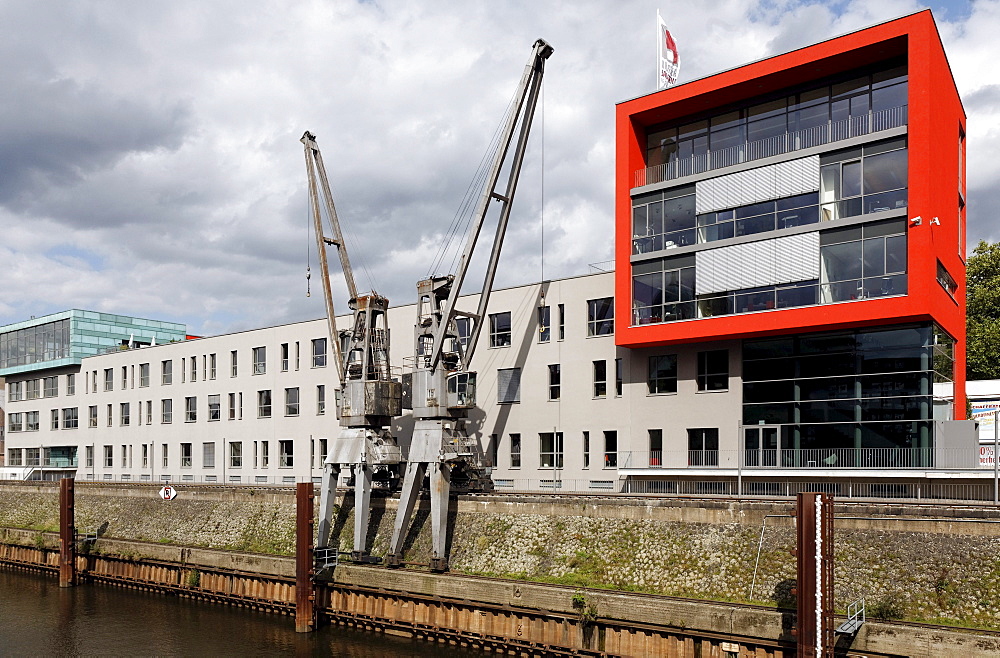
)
(985, 414)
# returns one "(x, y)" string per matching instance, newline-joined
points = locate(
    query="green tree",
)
(983, 312)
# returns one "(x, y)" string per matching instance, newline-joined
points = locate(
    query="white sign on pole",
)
(168, 493)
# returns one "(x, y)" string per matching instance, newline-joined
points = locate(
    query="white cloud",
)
(151, 158)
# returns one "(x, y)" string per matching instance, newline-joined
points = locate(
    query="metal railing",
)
(790, 141)
(825, 458)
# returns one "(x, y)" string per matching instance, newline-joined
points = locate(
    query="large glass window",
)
(663, 290)
(43, 342)
(703, 446)
(713, 370)
(550, 450)
(663, 224)
(864, 180)
(601, 316)
(863, 262)
(662, 374)
(500, 329)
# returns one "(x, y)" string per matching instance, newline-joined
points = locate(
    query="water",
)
(38, 618)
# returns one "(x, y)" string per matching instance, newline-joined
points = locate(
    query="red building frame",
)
(936, 186)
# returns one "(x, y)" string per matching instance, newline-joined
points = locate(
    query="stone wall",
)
(918, 563)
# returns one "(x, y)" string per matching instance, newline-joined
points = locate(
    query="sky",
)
(150, 162)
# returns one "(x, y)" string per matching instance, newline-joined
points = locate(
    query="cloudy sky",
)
(150, 162)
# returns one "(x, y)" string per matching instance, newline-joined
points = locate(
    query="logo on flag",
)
(668, 57)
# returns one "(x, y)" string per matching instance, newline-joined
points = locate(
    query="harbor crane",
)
(369, 396)
(442, 388)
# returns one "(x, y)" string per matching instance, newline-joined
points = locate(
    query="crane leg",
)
(327, 500)
(407, 499)
(440, 488)
(362, 507)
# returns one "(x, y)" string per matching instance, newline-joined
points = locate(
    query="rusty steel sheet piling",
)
(814, 584)
(305, 596)
(67, 533)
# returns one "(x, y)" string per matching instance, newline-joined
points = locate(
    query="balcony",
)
(789, 142)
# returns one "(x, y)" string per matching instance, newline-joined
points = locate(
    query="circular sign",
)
(168, 493)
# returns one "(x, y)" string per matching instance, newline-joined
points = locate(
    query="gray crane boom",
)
(528, 89)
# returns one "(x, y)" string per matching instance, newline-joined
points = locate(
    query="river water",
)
(37, 618)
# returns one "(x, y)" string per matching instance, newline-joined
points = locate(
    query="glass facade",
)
(65, 338)
(856, 398)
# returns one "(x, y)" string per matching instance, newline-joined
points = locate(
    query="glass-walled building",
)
(63, 339)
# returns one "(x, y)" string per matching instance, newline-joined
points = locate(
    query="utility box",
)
(956, 444)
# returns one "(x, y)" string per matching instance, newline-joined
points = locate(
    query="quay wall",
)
(920, 563)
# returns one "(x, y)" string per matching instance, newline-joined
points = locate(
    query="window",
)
(463, 327)
(319, 353)
(145, 455)
(143, 375)
(55, 419)
(662, 374)
(166, 372)
(92, 416)
(600, 379)
(946, 281)
(864, 180)
(190, 409)
(601, 316)
(285, 454)
(208, 455)
(610, 449)
(296, 355)
(259, 358)
(124, 456)
(265, 454)
(166, 411)
(320, 399)
(292, 401)
(323, 448)
(508, 385)
(240, 407)
(149, 412)
(232, 406)
(110, 416)
(515, 451)
(194, 368)
(703, 446)
(71, 419)
(14, 457)
(89, 457)
(655, 447)
(34, 389)
(164, 452)
(554, 381)
(263, 404)
(618, 378)
(214, 408)
(544, 324)
(284, 357)
(15, 391)
(185, 455)
(211, 366)
(109, 379)
(125, 377)
(50, 387)
(236, 454)
(123, 414)
(93, 386)
(15, 422)
(713, 370)
(663, 290)
(586, 449)
(109, 457)
(500, 329)
(233, 364)
(562, 322)
(550, 450)
(70, 384)
(664, 224)
(493, 449)
(33, 457)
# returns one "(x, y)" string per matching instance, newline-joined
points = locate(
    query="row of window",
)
(44, 387)
(68, 419)
(189, 367)
(66, 457)
(600, 322)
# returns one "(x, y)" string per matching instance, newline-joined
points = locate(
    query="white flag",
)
(668, 61)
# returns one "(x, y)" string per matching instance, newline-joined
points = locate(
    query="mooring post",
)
(67, 533)
(305, 599)
(814, 585)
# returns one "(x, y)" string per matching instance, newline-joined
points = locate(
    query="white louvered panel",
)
(754, 264)
(755, 185)
(797, 258)
(796, 176)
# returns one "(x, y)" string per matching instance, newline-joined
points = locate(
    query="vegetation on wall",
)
(983, 312)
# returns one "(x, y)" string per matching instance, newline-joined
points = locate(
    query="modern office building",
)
(789, 287)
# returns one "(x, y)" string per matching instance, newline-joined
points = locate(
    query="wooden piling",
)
(67, 533)
(814, 585)
(305, 596)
